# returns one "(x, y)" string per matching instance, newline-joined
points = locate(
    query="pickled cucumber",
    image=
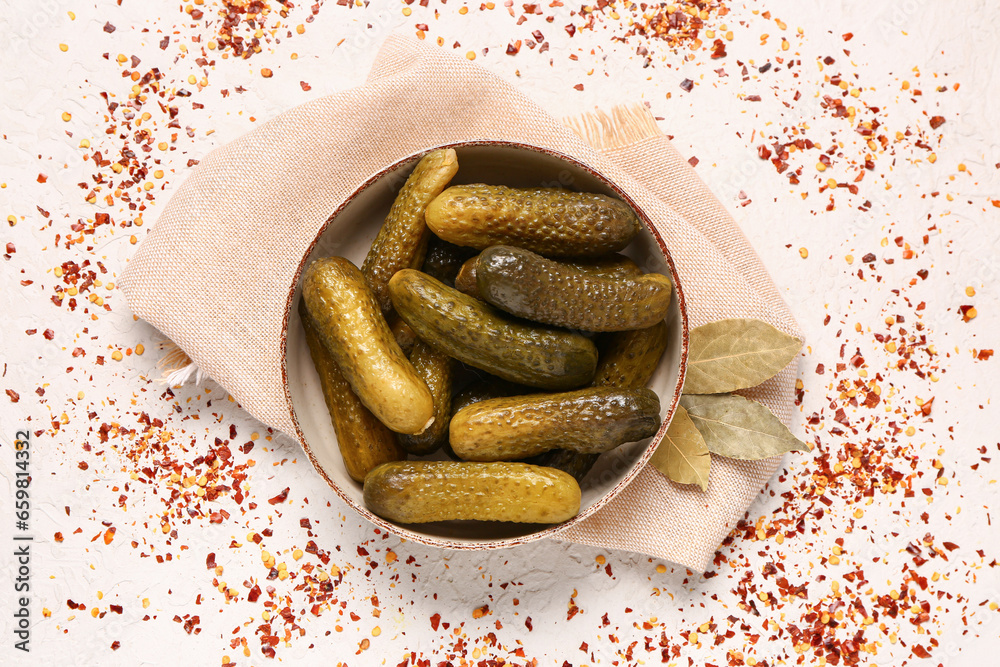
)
(476, 334)
(589, 421)
(437, 370)
(364, 441)
(353, 329)
(549, 221)
(629, 358)
(609, 266)
(421, 491)
(542, 290)
(443, 259)
(402, 241)
(465, 281)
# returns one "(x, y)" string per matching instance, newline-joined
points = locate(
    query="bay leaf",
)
(739, 428)
(736, 354)
(682, 455)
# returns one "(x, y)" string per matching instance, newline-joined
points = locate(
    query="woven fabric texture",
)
(252, 208)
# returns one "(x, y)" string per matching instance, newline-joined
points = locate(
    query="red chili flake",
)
(925, 409)
(13, 395)
(305, 86)
(108, 28)
(210, 561)
(49, 334)
(984, 355)
(254, 593)
(571, 29)
(763, 152)
(868, 258)
(513, 48)
(578, 86)
(693, 161)
(937, 121)
(82, 465)
(435, 620)
(115, 645)
(280, 498)
(42, 178)
(58, 537)
(687, 85)
(527, 623)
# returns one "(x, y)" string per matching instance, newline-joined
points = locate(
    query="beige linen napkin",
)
(214, 272)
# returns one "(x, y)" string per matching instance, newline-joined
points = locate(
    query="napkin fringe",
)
(176, 366)
(623, 126)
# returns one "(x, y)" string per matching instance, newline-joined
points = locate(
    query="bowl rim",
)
(551, 531)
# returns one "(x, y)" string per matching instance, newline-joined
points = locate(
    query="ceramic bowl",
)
(349, 233)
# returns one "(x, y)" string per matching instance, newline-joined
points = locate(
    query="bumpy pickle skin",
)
(478, 335)
(443, 260)
(528, 285)
(437, 370)
(609, 266)
(353, 329)
(628, 359)
(549, 221)
(589, 421)
(402, 241)
(364, 441)
(421, 491)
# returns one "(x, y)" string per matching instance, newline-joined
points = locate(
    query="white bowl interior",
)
(350, 234)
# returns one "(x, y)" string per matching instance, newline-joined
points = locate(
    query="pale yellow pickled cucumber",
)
(351, 325)
(422, 491)
(364, 441)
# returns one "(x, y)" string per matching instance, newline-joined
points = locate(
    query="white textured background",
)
(629, 607)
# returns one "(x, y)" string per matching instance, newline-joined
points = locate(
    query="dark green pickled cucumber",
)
(590, 421)
(422, 491)
(478, 335)
(542, 290)
(610, 266)
(402, 241)
(353, 329)
(364, 441)
(629, 358)
(570, 462)
(437, 370)
(550, 221)
(443, 260)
